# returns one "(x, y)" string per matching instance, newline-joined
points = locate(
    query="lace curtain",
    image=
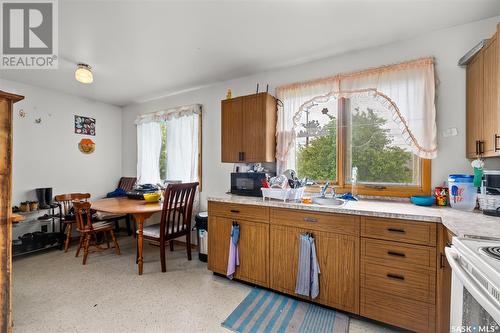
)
(293, 98)
(407, 90)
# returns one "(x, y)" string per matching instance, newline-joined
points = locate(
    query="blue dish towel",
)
(307, 283)
(234, 256)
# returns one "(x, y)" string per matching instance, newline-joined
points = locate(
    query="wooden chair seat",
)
(154, 230)
(101, 216)
(98, 227)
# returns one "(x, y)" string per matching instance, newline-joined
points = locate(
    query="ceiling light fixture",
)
(83, 74)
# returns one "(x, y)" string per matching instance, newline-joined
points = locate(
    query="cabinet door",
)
(474, 104)
(254, 124)
(338, 257)
(219, 233)
(491, 126)
(284, 257)
(231, 129)
(253, 248)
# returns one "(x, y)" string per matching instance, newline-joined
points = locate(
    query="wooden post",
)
(6, 102)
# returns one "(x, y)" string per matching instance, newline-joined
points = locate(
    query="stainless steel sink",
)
(327, 201)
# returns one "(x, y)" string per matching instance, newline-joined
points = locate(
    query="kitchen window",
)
(169, 145)
(336, 133)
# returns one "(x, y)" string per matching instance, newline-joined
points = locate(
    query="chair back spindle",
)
(83, 216)
(66, 201)
(177, 209)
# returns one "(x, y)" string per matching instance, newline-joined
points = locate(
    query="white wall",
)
(447, 46)
(47, 155)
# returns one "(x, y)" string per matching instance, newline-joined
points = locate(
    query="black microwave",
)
(247, 183)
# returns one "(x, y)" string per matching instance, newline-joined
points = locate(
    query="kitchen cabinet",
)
(483, 101)
(337, 253)
(248, 127)
(398, 273)
(253, 243)
(390, 270)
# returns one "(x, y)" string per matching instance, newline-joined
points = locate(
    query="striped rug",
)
(265, 311)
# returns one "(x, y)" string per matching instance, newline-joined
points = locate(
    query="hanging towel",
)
(314, 270)
(303, 283)
(307, 283)
(234, 257)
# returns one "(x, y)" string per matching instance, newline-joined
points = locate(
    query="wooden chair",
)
(88, 230)
(127, 184)
(175, 219)
(66, 214)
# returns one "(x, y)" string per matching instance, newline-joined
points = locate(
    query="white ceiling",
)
(140, 50)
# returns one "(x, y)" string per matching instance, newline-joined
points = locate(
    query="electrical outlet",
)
(452, 131)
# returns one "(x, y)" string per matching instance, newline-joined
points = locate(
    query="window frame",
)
(365, 189)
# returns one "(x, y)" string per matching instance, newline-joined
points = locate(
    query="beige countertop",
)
(459, 222)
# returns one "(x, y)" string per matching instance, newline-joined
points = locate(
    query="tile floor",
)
(54, 292)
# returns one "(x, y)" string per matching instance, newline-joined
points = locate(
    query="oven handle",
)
(470, 284)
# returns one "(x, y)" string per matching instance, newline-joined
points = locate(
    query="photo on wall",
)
(84, 125)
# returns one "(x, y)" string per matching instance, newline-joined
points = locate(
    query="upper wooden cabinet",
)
(248, 127)
(483, 101)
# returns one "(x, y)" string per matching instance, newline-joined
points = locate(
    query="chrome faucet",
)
(323, 189)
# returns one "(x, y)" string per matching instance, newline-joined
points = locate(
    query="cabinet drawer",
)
(238, 211)
(423, 233)
(398, 311)
(343, 224)
(398, 254)
(410, 284)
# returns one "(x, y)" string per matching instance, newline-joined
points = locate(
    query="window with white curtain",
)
(169, 145)
(378, 123)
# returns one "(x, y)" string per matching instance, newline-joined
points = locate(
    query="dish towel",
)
(234, 257)
(307, 283)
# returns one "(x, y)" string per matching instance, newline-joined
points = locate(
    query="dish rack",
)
(488, 201)
(285, 194)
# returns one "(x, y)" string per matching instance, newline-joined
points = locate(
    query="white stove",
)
(475, 293)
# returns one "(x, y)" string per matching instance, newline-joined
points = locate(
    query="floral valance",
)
(168, 114)
(406, 89)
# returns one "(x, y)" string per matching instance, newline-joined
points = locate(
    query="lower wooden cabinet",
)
(253, 249)
(338, 261)
(393, 271)
(398, 310)
(254, 253)
(219, 233)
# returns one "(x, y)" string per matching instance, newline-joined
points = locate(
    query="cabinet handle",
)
(481, 147)
(310, 219)
(496, 140)
(399, 231)
(240, 156)
(477, 147)
(395, 276)
(396, 254)
(234, 211)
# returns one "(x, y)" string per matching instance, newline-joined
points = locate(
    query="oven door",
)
(473, 309)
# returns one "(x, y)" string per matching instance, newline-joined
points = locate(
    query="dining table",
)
(140, 211)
